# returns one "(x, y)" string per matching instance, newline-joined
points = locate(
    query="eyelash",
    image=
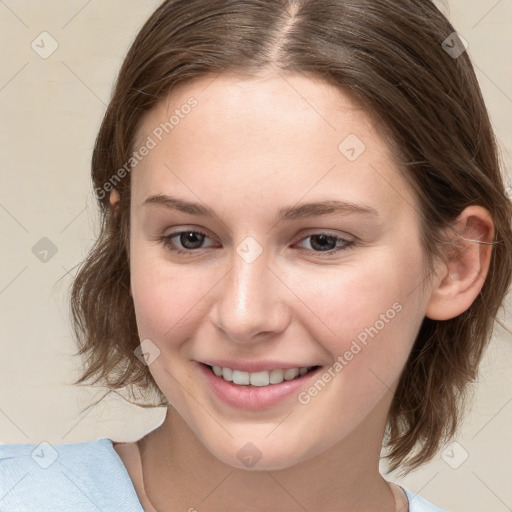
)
(170, 245)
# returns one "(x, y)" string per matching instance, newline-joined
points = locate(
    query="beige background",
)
(51, 110)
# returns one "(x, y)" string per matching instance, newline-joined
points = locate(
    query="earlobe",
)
(465, 269)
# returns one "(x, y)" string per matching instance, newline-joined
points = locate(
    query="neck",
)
(178, 470)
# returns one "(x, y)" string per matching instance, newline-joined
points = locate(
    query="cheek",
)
(368, 314)
(373, 315)
(169, 299)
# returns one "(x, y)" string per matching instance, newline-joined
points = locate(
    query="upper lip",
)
(255, 366)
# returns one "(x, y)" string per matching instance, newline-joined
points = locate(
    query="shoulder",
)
(419, 504)
(81, 477)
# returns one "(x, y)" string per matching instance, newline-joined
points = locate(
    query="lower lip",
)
(254, 397)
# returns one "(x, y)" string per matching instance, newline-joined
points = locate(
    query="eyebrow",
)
(299, 211)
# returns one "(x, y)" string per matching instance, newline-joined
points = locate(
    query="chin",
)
(259, 455)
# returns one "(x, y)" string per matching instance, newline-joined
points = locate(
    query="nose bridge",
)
(249, 303)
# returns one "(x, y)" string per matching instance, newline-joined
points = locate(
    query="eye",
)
(187, 242)
(327, 244)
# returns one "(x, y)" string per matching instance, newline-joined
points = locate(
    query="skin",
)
(251, 147)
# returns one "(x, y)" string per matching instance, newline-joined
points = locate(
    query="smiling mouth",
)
(262, 378)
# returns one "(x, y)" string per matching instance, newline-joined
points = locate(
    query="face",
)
(271, 231)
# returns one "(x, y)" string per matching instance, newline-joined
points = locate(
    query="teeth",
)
(241, 378)
(217, 370)
(259, 379)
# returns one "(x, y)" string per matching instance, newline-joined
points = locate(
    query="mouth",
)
(256, 390)
(261, 378)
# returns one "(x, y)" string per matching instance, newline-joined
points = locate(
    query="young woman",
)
(305, 242)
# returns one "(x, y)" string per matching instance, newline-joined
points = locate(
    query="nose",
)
(251, 304)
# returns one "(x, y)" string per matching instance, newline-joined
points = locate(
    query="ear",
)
(114, 199)
(461, 277)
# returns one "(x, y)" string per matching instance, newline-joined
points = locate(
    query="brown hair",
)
(389, 55)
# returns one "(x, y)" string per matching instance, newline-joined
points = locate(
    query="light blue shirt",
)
(81, 477)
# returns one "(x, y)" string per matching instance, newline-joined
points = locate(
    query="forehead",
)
(260, 108)
(254, 136)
